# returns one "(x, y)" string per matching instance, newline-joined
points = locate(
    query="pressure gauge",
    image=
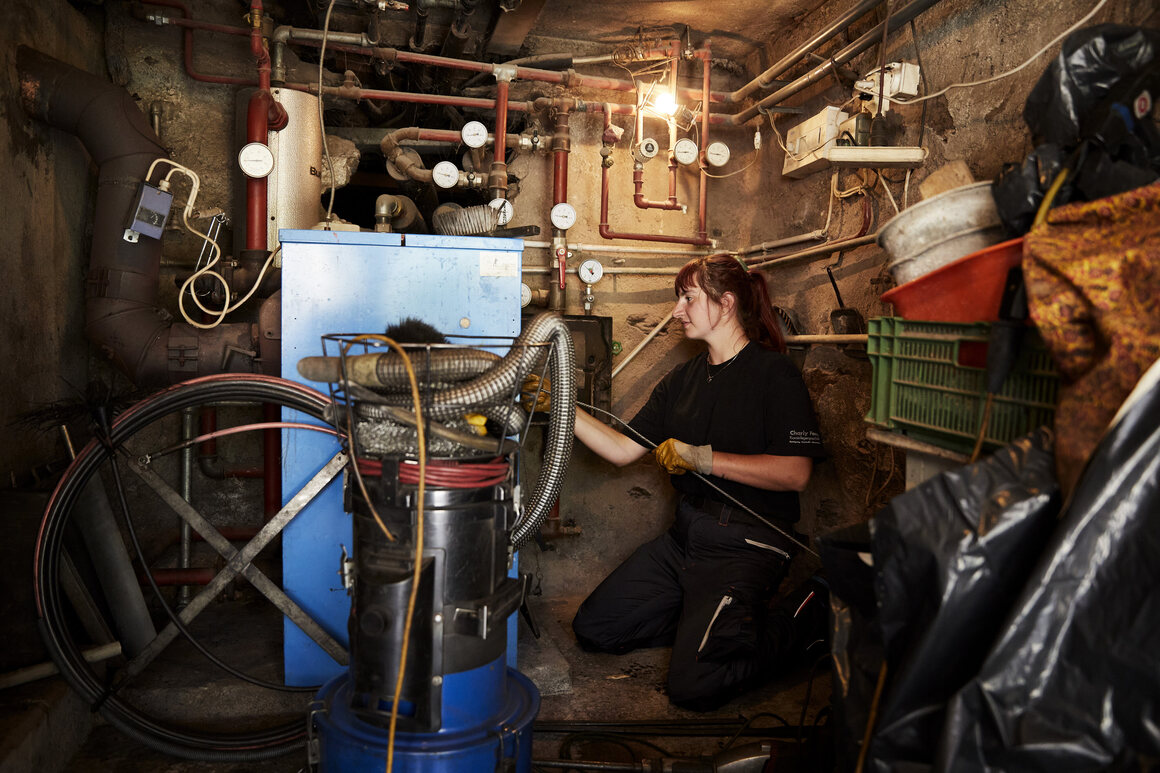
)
(505, 210)
(717, 154)
(563, 216)
(445, 174)
(474, 134)
(686, 151)
(525, 295)
(590, 271)
(256, 160)
(646, 149)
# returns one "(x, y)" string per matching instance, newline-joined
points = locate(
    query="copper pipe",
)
(638, 185)
(497, 179)
(272, 458)
(187, 50)
(561, 147)
(207, 455)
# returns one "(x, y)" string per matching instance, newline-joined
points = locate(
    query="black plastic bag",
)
(1019, 190)
(948, 559)
(1091, 63)
(1074, 682)
(951, 556)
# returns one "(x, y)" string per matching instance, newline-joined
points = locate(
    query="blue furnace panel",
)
(356, 282)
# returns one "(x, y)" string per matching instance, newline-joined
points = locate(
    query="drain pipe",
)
(122, 316)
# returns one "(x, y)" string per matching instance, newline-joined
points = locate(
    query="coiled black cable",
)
(188, 743)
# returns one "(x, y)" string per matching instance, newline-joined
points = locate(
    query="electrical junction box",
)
(149, 213)
(897, 79)
(806, 144)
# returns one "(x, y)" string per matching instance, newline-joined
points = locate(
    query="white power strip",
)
(875, 156)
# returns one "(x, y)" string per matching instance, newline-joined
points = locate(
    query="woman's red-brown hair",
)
(723, 273)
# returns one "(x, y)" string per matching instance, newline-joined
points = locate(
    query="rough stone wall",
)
(44, 234)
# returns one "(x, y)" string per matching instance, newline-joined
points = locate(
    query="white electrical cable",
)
(889, 195)
(1012, 71)
(321, 125)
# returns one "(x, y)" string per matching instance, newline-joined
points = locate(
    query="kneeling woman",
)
(738, 414)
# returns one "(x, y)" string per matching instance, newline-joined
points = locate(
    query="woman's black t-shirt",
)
(756, 404)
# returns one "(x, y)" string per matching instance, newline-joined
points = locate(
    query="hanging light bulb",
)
(664, 103)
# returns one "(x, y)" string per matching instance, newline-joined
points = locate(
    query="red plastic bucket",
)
(967, 290)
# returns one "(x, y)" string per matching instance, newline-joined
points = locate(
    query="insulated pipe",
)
(122, 317)
(763, 81)
(869, 39)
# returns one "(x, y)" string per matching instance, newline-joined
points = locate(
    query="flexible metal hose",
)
(497, 387)
(470, 221)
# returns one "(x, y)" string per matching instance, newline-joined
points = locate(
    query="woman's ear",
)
(728, 302)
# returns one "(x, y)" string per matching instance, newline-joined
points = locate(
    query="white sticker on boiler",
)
(499, 264)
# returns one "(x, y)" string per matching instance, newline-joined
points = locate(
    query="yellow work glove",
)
(534, 390)
(676, 457)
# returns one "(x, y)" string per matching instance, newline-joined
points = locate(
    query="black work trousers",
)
(703, 587)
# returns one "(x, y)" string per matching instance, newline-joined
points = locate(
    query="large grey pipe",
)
(122, 316)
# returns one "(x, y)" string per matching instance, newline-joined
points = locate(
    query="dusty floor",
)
(576, 686)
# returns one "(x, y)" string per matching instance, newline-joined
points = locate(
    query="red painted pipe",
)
(187, 46)
(638, 185)
(171, 577)
(207, 455)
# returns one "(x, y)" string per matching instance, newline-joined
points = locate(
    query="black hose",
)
(181, 742)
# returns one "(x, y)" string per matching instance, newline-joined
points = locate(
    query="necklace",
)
(710, 375)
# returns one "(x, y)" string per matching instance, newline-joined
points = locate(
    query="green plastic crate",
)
(930, 382)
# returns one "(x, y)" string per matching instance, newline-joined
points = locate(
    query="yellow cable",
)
(422, 441)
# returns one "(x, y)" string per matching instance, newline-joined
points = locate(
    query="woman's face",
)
(697, 312)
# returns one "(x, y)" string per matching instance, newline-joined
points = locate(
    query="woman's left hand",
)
(676, 457)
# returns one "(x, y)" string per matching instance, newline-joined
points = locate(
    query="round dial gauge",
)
(445, 174)
(525, 295)
(474, 134)
(686, 151)
(717, 154)
(256, 160)
(590, 271)
(563, 216)
(505, 210)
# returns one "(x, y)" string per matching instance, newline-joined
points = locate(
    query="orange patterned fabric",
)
(1093, 285)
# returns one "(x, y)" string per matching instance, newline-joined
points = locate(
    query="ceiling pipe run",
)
(869, 39)
(768, 78)
(122, 316)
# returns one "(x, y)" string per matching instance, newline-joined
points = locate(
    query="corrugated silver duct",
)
(469, 221)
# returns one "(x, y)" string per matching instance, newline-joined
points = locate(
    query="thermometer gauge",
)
(717, 154)
(473, 134)
(505, 210)
(445, 174)
(686, 151)
(590, 271)
(563, 216)
(256, 160)
(525, 295)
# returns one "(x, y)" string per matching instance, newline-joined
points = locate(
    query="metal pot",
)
(940, 230)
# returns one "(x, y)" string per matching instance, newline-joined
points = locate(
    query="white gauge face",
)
(563, 216)
(474, 134)
(649, 147)
(686, 151)
(717, 154)
(445, 174)
(525, 295)
(590, 271)
(256, 160)
(505, 210)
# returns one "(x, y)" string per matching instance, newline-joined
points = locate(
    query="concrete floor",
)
(575, 685)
